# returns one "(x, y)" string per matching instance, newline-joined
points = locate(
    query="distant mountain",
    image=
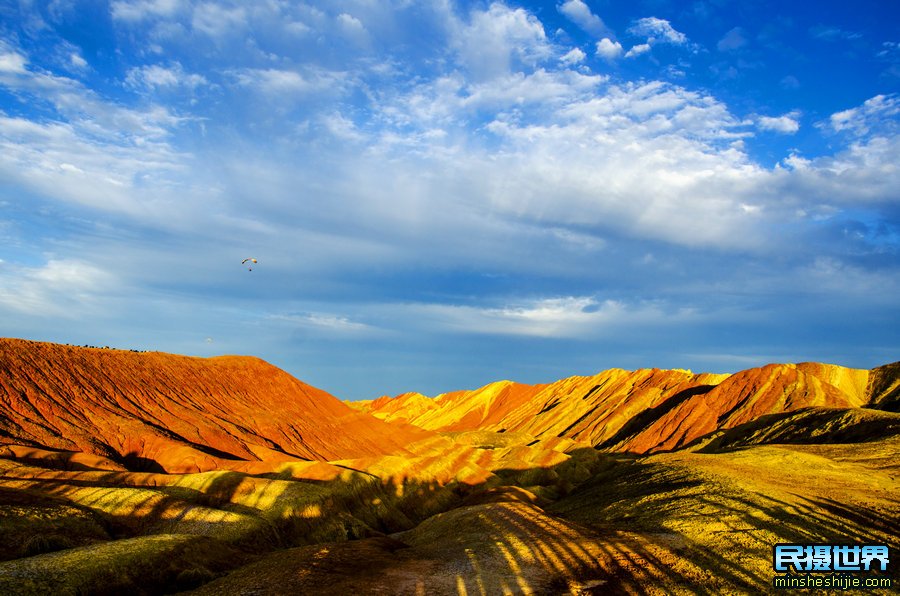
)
(458, 410)
(646, 410)
(157, 411)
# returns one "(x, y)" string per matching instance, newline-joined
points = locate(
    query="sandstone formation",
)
(646, 410)
(164, 412)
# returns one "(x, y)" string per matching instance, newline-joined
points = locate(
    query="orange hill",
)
(640, 411)
(178, 413)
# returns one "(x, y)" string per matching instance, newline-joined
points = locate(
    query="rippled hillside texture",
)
(151, 473)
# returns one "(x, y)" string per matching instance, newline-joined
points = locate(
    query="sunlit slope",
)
(403, 408)
(458, 410)
(639, 411)
(707, 522)
(176, 413)
(505, 546)
(79, 516)
(743, 397)
(674, 523)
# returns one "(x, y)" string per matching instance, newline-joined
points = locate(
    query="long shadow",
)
(771, 428)
(647, 417)
(619, 532)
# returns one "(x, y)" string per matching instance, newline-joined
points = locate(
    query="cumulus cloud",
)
(786, 124)
(216, 20)
(609, 49)
(573, 56)
(285, 85)
(657, 31)
(352, 27)
(579, 13)
(500, 40)
(156, 76)
(879, 110)
(450, 100)
(637, 50)
(656, 159)
(11, 62)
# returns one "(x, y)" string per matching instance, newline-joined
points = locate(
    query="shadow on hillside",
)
(604, 536)
(133, 462)
(705, 537)
(645, 418)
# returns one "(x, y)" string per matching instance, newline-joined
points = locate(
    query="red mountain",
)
(178, 413)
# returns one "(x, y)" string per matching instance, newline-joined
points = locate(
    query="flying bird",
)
(252, 260)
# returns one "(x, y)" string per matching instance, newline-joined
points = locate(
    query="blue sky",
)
(443, 194)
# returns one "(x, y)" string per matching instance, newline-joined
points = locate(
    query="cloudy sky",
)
(441, 194)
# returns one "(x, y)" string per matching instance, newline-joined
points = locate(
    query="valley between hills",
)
(153, 473)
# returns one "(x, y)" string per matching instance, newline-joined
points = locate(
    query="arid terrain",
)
(152, 473)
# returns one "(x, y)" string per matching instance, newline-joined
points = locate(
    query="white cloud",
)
(66, 288)
(565, 317)
(139, 10)
(285, 84)
(827, 33)
(486, 154)
(156, 76)
(637, 50)
(580, 14)
(874, 113)
(790, 82)
(352, 27)
(11, 62)
(500, 40)
(657, 31)
(342, 127)
(786, 124)
(68, 163)
(865, 173)
(732, 40)
(90, 113)
(891, 50)
(450, 100)
(326, 322)
(77, 61)
(577, 240)
(609, 49)
(655, 159)
(218, 21)
(837, 277)
(573, 56)
(91, 151)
